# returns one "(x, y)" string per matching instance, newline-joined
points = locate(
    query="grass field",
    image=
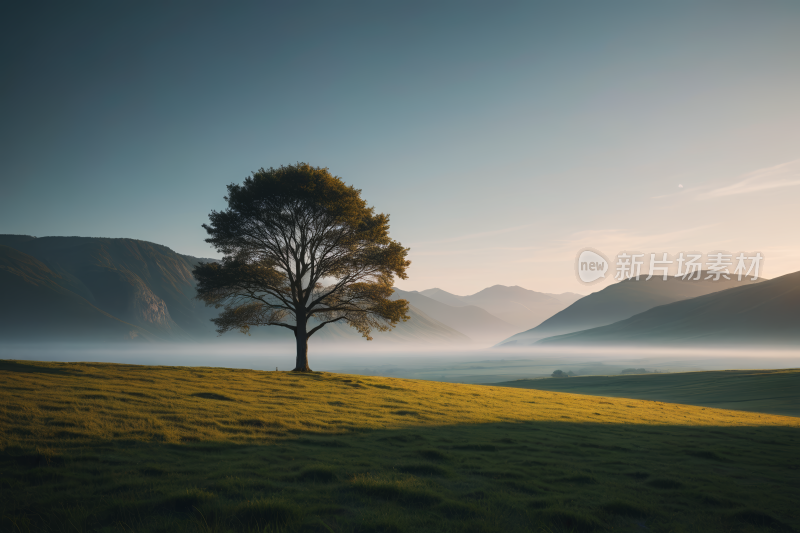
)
(102, 447)
(763, 391)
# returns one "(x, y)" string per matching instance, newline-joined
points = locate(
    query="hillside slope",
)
(617, 302)
(765, 313)
(138, 282)
(151, 287)
(522, 308)
(38, 304)
(152, 449)
(761, 391)
(420, 328)
(470, 320)
(444, 297)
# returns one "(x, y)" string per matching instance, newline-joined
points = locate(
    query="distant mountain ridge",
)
(522, 308)
(620, 301)
(765, 313)
(472, 321)
(140, 283)
(87, 288)
(420, 328)
(38, 303)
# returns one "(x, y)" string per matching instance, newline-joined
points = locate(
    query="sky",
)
(501, 137)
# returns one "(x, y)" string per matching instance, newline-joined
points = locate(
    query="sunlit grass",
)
(77, 402)
(101, 447)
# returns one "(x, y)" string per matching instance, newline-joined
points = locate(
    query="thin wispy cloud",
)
(774, 177)
(670, 195)
(778, 176)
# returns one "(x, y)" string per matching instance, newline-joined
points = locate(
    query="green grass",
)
(100, 447)
(762, 391)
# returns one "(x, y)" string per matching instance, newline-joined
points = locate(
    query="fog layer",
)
(415, 362)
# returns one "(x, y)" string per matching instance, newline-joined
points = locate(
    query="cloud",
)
(778, 176)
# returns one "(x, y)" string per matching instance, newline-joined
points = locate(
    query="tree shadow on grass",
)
(540, 476)
(15, 366)
(212, 396)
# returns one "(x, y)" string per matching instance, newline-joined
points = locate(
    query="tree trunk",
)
(301, 335)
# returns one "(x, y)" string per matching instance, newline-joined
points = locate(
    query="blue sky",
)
(500, 137)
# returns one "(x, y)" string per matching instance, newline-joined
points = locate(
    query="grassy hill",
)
(765, 313)
(621, 301)
(762, 391)
(102, 447)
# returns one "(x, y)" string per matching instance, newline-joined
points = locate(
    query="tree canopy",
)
(299, 244)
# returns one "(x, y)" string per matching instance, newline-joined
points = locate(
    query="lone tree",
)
(300, 244)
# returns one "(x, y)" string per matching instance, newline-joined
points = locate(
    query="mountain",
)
(420, 328)
(620, 301)
(568, 298)
(137, 282)
(472, 321)
(761, 313)
(444, 297)
(83, 288)
(41, 305)
(522, 308)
